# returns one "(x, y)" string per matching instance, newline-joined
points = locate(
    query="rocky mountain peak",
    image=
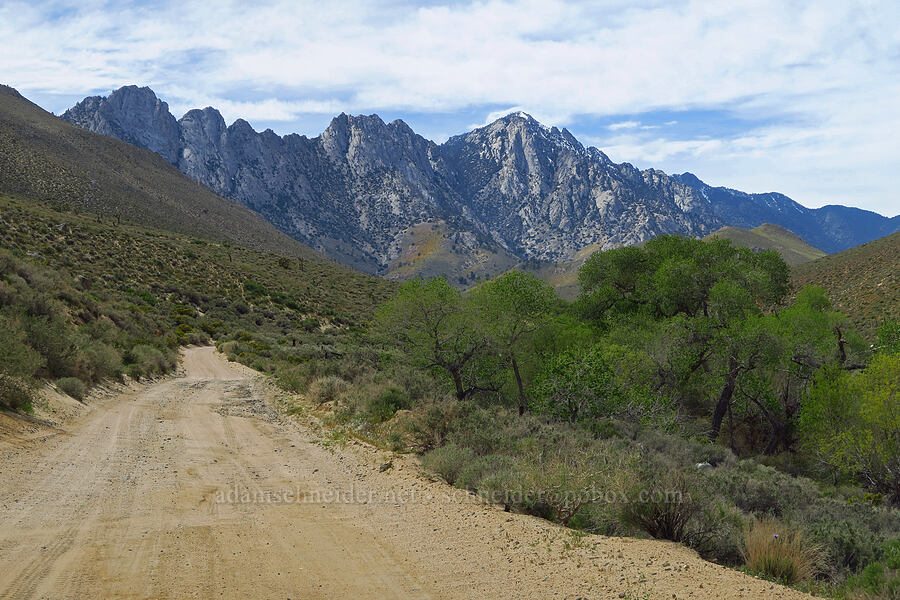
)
(515, 186)
(133, 114)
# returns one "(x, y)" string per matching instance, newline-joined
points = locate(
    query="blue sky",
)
(796, 97)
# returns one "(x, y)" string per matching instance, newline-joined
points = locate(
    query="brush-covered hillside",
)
(767, 236)
(45, 158)
(863, 282)
(82, 300)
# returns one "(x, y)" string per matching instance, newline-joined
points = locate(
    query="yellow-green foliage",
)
(852, 420)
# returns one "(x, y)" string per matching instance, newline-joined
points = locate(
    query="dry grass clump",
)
(779, 552)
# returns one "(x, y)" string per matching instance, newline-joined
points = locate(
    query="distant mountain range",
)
(381, 198)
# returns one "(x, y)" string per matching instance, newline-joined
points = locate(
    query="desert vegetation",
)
(83, 300)
(689, 394)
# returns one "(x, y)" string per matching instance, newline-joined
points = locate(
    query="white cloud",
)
(828, 67)
(623, 125)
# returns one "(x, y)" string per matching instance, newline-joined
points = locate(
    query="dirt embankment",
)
(194, 487)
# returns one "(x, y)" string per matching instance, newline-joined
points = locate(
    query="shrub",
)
(385, 405)
(664, 503)
(681, 505)
(293, 379)
(53, 339)
(448, 462)
(564, 480)
(497, 430)
(431, 423)
(327, 389)
(779, 552)
(18, 359)
(97, 361)
(16, 393)
(146, 361)
(481, 468)
(759, 489)
(73, 387)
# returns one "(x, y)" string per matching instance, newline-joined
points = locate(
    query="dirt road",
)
(194, 488)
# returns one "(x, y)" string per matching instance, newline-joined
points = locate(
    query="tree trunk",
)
(457, 381)
(777, 437)
(523, 401)
(724, 398)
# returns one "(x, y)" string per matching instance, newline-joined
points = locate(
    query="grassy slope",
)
(863, 282)
(43, 157)
(427, 250)
(127, 257)
(771, 237)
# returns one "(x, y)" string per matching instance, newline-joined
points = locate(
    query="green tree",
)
(513, 308)
(852, 421)
(674, 275)
(578, 384)
(436, 328)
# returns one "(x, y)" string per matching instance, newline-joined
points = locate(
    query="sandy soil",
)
(194, 487)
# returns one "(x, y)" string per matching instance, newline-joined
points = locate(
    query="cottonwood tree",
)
(437, 329)
(718, 337)
(851, 420)
(513, 307)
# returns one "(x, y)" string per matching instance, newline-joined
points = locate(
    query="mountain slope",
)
(862, 282)
(45, 158)
(363, 190)
(830, 228)
(771, 237)
(543, 195)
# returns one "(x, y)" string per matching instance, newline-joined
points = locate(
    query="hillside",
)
(863, 282)
(81, 300)
(767, 236)
(43, 157)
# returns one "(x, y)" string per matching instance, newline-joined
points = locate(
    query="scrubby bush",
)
(497, 430)
(759, 489)
(73, 387)
(384, 405)
(327, 389)
(681, 505)
(54, 340)
(96, 361)
(483, 467)
(293, 379)
(448, 462)
(779, 552)
(562, 480)
(430, 423)
(16, 393)
(147, 361)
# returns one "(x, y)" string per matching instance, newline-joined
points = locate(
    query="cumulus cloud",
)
(819, 66)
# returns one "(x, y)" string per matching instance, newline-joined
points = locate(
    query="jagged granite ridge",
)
(514, 186)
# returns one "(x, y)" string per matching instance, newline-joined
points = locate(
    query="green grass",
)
(771, 237)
